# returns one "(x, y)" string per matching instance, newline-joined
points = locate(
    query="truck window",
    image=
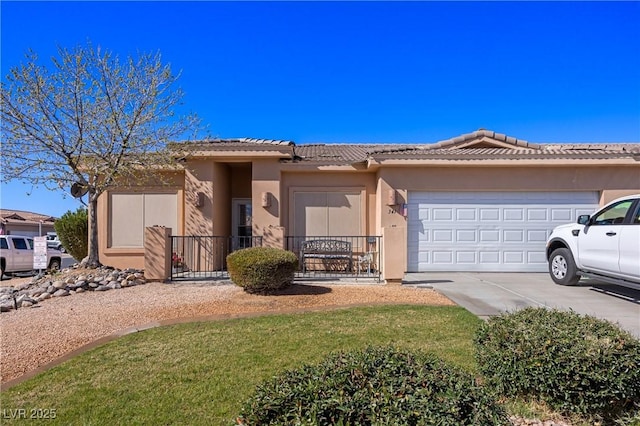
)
(4, 244)
(614, 215)
(20, 243)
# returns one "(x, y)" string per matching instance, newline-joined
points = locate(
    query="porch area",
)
(320, 258)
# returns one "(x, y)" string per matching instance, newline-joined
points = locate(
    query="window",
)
(613, 215)
(635, 219)
(4, 244)
(328, 213)
(19, 243)
(131, 213)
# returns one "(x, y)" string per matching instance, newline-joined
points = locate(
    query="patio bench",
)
(331, 254)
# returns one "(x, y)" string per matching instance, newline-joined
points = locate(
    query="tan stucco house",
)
(21, 222)
(482, 201)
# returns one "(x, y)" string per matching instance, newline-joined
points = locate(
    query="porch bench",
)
(330, 253)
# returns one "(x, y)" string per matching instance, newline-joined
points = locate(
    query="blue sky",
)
(363, 71)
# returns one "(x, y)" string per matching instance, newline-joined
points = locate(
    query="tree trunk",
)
(93, 260)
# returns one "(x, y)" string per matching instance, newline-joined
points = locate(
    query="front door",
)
(241, 223)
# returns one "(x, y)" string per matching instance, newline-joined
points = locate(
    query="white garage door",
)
(487, 231)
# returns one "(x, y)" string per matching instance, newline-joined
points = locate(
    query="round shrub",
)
(375, 386)
(73, 231)
(262, 269)
(575, 363)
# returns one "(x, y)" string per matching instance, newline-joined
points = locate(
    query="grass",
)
(201, 373)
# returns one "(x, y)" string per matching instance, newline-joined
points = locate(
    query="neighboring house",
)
(19, 222)
(482, 201)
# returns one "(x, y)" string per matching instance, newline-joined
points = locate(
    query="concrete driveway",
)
(487, 294)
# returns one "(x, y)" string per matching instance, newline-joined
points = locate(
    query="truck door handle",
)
(611, 234)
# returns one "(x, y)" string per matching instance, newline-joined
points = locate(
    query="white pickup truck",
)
(604, 246)
(16, 255)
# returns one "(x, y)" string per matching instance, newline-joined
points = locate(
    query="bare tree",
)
(91, 120)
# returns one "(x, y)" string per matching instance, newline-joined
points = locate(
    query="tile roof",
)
(338, 153)
(512, 154)
(481, 133)
(243, 142)
(481, 144)
(8, 215)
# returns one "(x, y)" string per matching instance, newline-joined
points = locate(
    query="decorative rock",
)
(43, 287)
(6, 307)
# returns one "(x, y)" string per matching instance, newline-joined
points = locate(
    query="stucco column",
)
(266, 199)
(157, 253)
(273, 237)
(394, 256)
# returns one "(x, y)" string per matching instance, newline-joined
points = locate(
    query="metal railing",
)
(337, 256)
(204, 256)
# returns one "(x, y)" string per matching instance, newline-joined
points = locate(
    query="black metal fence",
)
(337, 256)
(204, 256)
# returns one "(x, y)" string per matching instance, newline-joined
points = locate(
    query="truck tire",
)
(562, 267)
(2, 270)
(54, 264)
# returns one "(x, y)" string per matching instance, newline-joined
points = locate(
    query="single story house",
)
(20, 222)
(482, 201)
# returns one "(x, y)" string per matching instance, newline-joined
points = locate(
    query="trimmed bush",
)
(376, 386)
(73, 231)
(575, 363)
(262, 270)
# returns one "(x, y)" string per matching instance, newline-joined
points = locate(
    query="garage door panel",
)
(466, 214)
(513, 257)
(561, 215)
(489, 214)
(479, 231)
(444, 214)
(536, 257)
(443, 257)
(513, 236)
(466, 257)
(489, 257)
(466, 236)
(489, 235)
(539, 235)
(537, 214)
(511, 215)
(443, 236)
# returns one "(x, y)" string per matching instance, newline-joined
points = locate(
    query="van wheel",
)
(562, 267)
(54, 265)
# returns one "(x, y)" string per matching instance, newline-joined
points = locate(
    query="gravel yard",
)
(32, 337)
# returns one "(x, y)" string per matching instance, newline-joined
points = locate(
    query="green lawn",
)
(201, 373)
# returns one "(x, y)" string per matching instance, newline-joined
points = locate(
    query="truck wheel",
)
(1, 271)
(562, 267)
(54, 265)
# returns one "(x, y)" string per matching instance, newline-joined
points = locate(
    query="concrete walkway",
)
(488, 294)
